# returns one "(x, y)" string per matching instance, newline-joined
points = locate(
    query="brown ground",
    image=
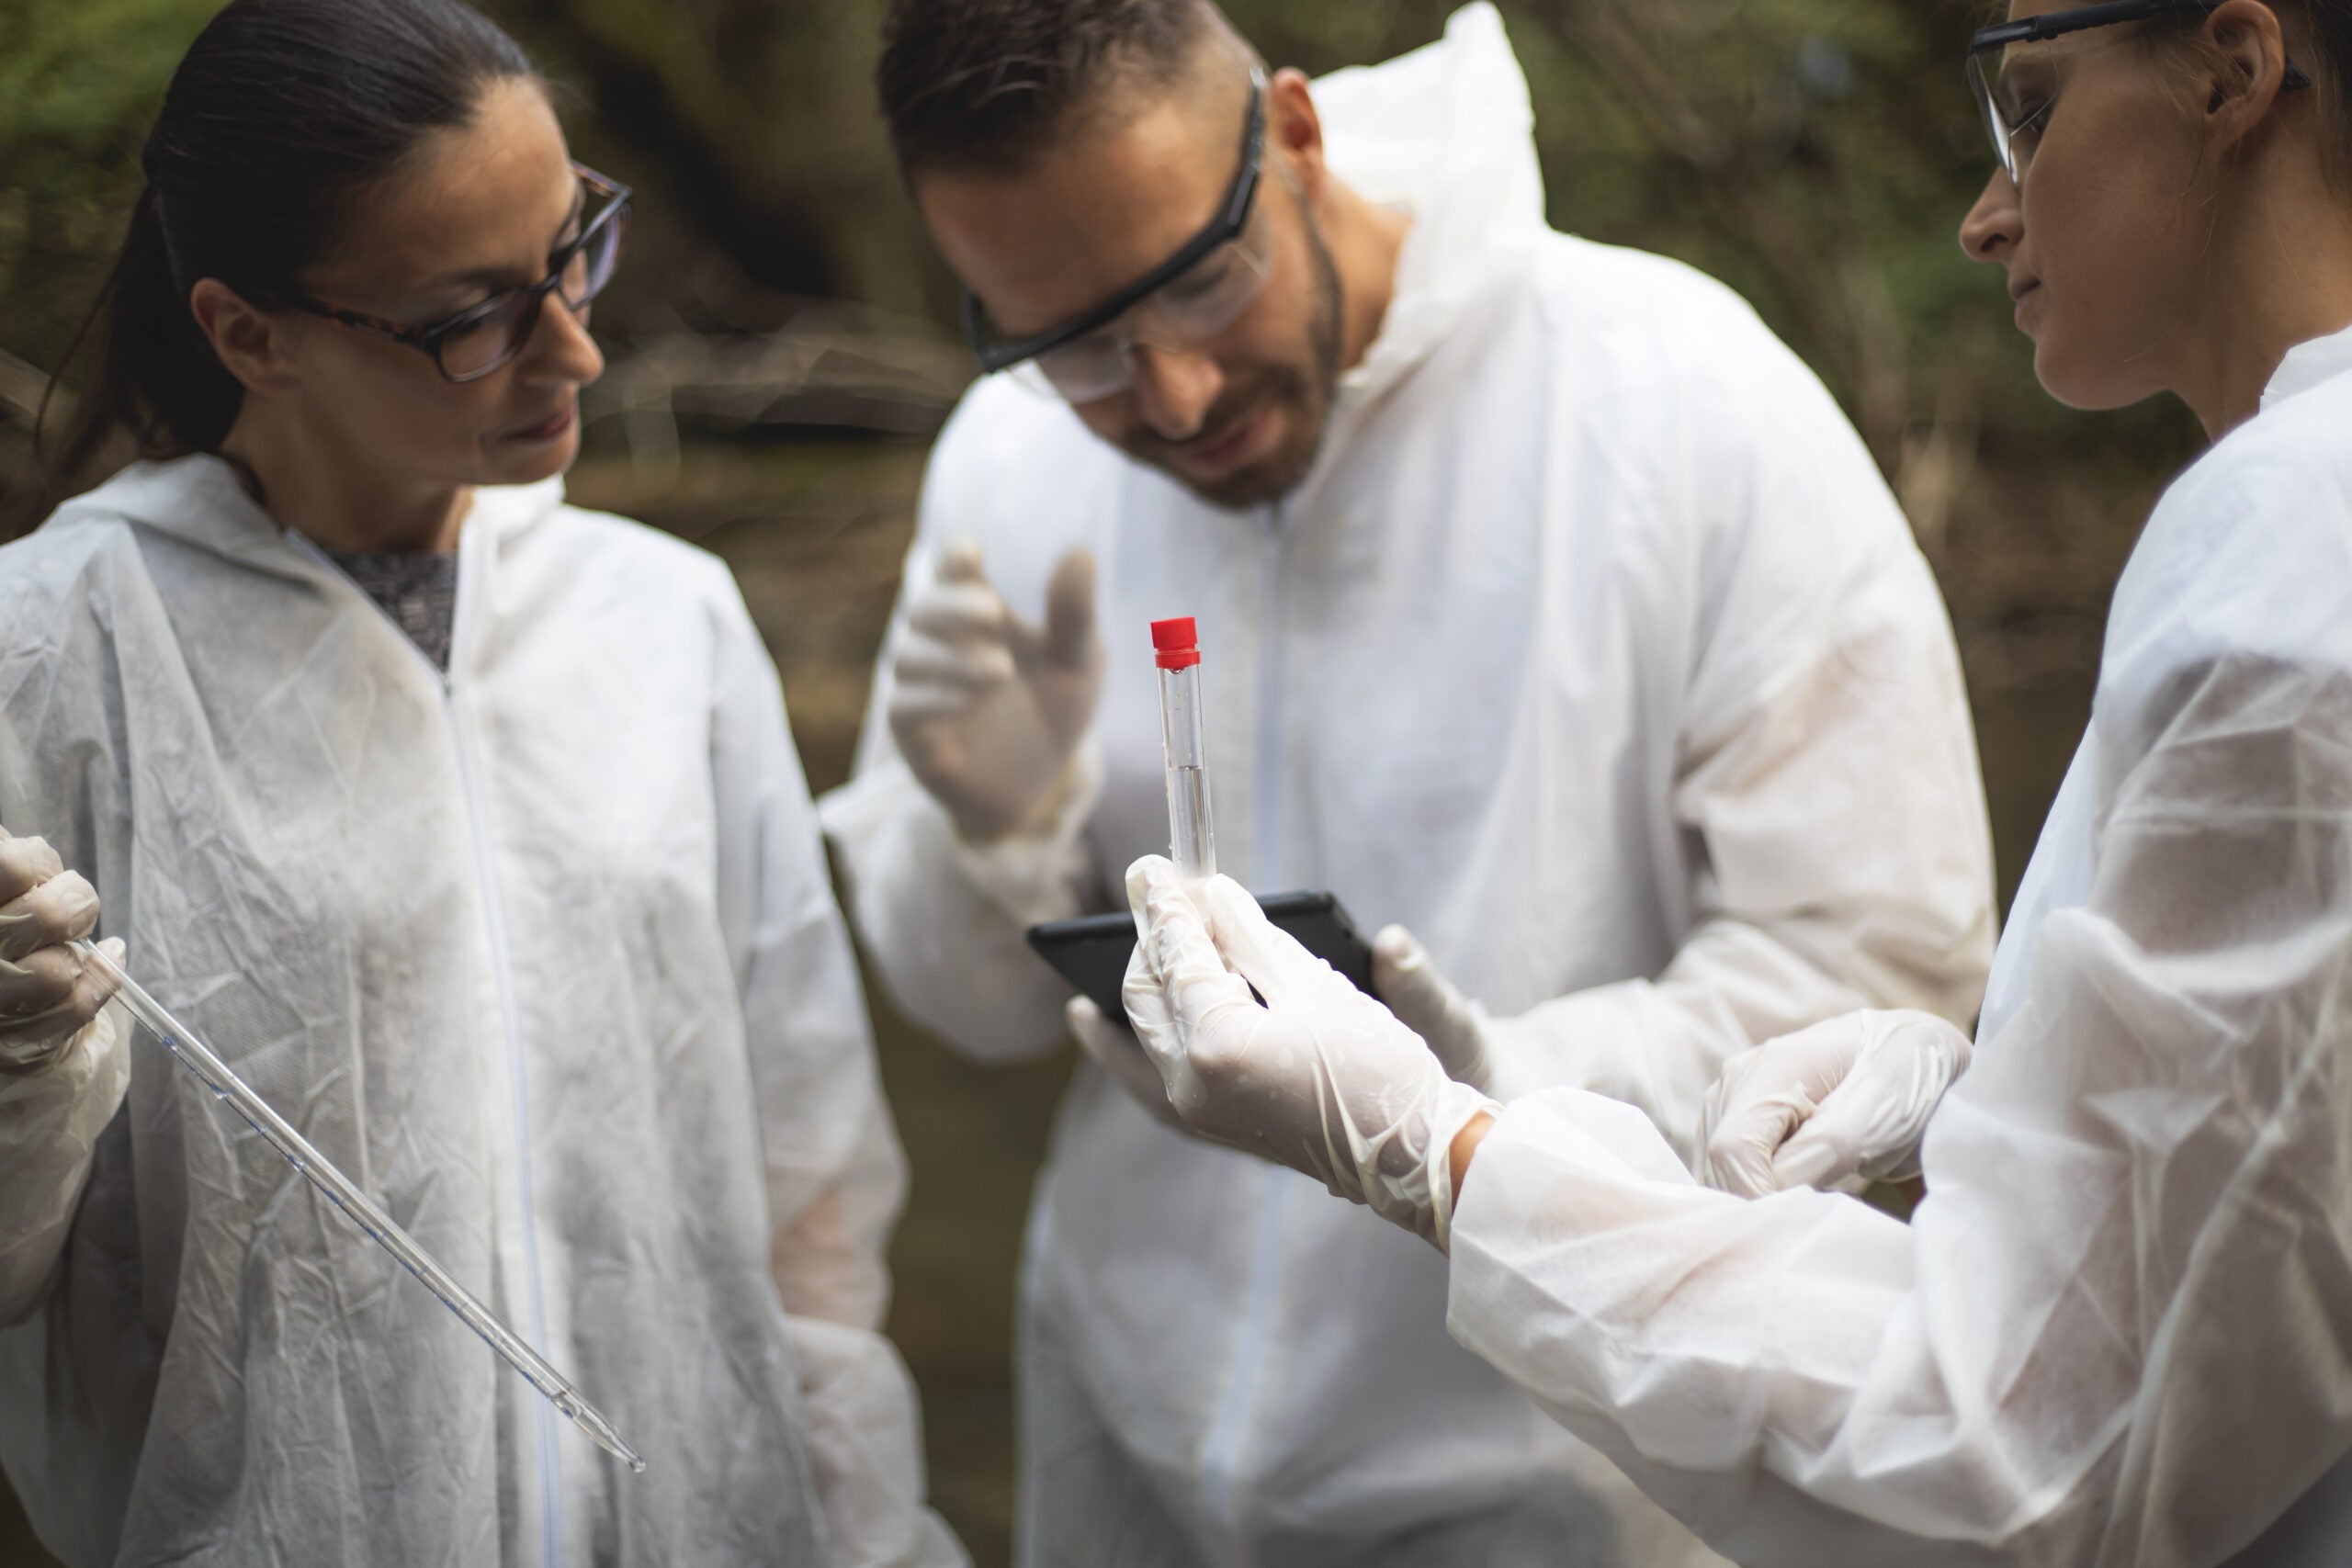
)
(815, 534)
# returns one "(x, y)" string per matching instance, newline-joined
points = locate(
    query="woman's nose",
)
(561, 348)
(1995, 224)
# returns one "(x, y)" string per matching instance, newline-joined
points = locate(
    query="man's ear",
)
(1293, 128)
(254, 345)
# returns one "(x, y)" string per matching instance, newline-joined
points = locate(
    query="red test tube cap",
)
(1176, 644)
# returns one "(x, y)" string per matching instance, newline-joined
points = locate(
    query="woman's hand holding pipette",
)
(1264, 1046)
(51, 999)
(986, 709)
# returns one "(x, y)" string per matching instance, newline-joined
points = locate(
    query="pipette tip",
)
(601, 1433)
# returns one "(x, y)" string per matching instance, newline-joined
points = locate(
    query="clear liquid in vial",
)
(1193, 847)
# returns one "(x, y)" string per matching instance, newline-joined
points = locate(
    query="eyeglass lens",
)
(481, 346)
(1191, 309)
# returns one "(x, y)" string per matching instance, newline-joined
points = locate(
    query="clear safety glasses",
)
(1185, 302)
(2015, 123)
(481, 338)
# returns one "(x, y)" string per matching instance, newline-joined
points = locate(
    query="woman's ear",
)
(252, 345)
(2246, 48)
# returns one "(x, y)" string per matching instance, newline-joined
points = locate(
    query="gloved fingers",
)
(1069, 638)
(1743, 1136)
(1426, 1002)
(1869, 1125)
(1174, 941)
(1267, 956)
(924, 660)
(1120, 1054)
(960, 562)
(1178, 962)
(959, 613)
(56, 911)
(1145, 997)
(25, 865)
(912, 705)
(49, 1002)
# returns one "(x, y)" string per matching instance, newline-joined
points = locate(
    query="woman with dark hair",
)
(2118, 1329)
(468, 824)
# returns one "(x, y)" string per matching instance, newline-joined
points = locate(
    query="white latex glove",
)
(1848, 1097)
(986, 709)
(1470, 1041)
(50, 999)
(1116, 1050)
(1318, 1076)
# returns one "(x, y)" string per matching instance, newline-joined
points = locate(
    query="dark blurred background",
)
(781, 354)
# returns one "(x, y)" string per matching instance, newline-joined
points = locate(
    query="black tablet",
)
(1092, 953)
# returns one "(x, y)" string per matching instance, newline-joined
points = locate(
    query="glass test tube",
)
(1192, 837)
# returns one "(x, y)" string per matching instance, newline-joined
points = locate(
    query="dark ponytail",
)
(282, 116)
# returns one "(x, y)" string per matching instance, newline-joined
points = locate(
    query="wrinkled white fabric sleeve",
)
(2115, 1331)
(836, 1176)
(943, 920)
(1826, 770)
(48, 1130)
(48, 1124)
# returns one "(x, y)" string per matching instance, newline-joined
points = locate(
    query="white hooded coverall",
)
(543, 956)
(2118, 1330)
(1595, 650)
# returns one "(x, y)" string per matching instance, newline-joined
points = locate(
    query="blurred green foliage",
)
(1817, 154)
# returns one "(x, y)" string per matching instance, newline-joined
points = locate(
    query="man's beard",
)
(1304, 390)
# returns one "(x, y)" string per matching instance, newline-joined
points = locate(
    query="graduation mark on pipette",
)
(217, 1076)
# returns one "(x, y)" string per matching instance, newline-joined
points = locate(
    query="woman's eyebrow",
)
(507, 277)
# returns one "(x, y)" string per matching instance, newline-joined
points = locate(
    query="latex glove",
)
(1318, 1076)
(1116, 1050)
(1848, 1097)
(50, 998)
(986, 709)
(1470, 1041)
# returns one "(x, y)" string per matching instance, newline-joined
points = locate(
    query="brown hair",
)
(987, 85)
(281, 115)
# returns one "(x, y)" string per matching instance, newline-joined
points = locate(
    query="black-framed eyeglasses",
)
(2013, 139)
(1231, 221)
(483, 338)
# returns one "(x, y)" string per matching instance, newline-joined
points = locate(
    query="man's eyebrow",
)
(502, 277)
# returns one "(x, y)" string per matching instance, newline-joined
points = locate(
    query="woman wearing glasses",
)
(2118, 1329)
(468, 825)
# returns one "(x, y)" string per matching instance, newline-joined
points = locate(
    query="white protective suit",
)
(1593, 650)
(2118, 1330)
(544, 958)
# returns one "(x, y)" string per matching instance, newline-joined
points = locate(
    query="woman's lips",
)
(548, 429)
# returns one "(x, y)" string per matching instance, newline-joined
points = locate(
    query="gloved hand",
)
(1849, 1097)
(50, 997)
(1121, 1055)
(1472, 1042)
(986, 709)
(1318, 1076)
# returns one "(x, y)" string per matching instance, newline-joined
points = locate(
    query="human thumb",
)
(1426, 1003)
(1069, 611)
(960, 562)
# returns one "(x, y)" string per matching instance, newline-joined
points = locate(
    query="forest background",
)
(782, 350)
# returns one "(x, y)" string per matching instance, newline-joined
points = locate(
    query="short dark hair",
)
(987, 85)
(282, 114)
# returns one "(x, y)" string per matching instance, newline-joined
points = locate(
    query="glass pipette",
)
(1192, 837)
(198, 1058)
